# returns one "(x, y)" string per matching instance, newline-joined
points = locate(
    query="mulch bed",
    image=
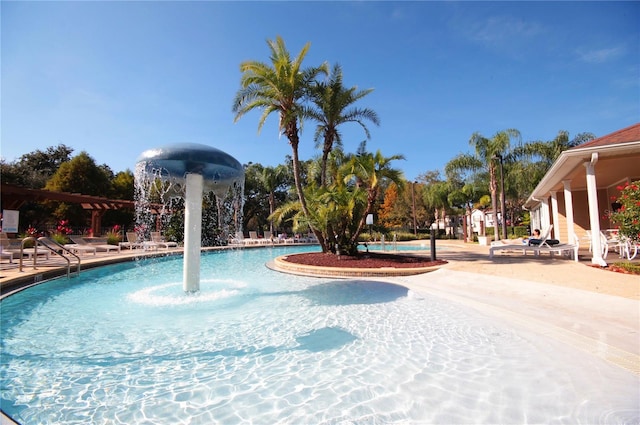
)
(614, 268)
(370, 260)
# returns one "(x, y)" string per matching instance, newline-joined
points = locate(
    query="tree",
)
(437, 196)
(33, 169)
(388, 215)
(547, 152)
(278, 87)
(485, 158)
(271, 179)
(80, 174)
(369, 171)
(334, 107)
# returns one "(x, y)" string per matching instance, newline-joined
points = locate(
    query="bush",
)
(113, 236)
(629, 266)
(60, 238)
(627, 214)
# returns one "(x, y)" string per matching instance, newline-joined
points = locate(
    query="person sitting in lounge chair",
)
(534, 239)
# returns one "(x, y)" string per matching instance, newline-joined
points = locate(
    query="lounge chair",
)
(12, 252)
(6, 251)
(552, 247)
(507, 246)
(538, 246)
(131, 242)
(80, 244)
(157, 238)
(253, 238)
(238, 239)
(267, 239)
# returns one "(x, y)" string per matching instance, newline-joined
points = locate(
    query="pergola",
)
(13, 197)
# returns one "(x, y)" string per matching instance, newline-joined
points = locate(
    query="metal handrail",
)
(35, 250)
(45, 241)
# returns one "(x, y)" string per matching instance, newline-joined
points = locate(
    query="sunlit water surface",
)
(124, 345)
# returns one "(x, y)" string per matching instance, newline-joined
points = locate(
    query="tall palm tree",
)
(333, 106)
(278, 87)
(485, 158)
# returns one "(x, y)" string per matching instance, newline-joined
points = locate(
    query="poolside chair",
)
(157, 238)
(80, 248)
(80, 245)
(507, 246)
(553, 246)
(253, 238)
(12, 250)
(267, 239)
(238, 239)
(131, 242)
(608, 243)
(6, 251)
(100, 244)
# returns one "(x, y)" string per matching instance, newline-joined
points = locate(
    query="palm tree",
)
(436, 196)
(271, 178)
(549, 151)
(278, 87)
(369, 171)
(333, 107)
(485, 156)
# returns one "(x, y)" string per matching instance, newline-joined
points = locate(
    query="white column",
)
(555, 215)
(192, 233)
(568, 207)
(594, 215)
(545, 221)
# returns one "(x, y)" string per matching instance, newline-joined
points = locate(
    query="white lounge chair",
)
(131, 242)
(6, 251)
(267, 239)
(253, 238)
(238, 239)
(99, 244)
(157, 238)
(542, 245)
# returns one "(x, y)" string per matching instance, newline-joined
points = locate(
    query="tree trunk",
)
(371, 199)
(294, 141)
(494, 200)
(272, 206)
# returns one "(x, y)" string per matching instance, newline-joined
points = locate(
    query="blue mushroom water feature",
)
(190, 169)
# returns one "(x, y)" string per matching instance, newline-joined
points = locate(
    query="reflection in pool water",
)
(124, 344)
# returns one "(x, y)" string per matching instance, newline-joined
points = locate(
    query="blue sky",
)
(117, 78)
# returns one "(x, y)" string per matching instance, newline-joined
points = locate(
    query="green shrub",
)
(60, 238)
(629, 266)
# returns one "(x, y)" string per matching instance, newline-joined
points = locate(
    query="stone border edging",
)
(281, 265)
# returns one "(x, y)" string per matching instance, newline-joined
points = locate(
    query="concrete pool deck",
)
(593, 309)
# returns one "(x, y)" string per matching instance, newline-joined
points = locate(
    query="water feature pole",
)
(188, 170)
(193, 232)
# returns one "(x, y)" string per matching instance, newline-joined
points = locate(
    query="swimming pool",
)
(124, 344)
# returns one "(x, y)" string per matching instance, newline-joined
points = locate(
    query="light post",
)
(413, 196)
(503, 205)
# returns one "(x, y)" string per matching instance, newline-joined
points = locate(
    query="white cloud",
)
(501, 30)
(600, 55)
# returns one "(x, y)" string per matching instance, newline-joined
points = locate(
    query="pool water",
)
(124, 344)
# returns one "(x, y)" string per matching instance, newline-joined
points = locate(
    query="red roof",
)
(626, 135)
